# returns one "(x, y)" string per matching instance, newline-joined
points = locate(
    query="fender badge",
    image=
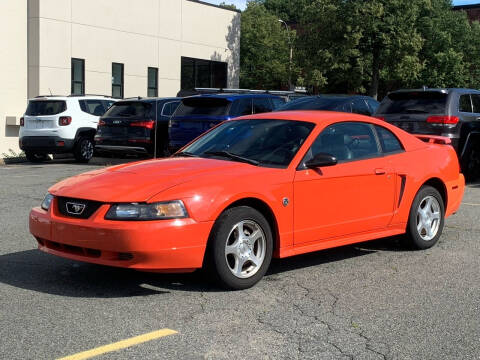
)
(285, 201)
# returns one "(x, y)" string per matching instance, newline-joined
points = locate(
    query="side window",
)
(92, 107)
(346, 141)
(360, 107)
(107, 104)
(373, 105)
(241, 107)
(261, 105)
(277, 102)
(464, 104)
(389, 142)
(476, 103)
(169, 108)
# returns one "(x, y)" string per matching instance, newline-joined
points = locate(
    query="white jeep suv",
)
(61, 124)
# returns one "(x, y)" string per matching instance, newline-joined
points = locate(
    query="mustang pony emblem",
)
(75, 208)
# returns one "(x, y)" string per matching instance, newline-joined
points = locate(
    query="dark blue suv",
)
(197, 114)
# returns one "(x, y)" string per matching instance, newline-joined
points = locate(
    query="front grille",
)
(77, 208)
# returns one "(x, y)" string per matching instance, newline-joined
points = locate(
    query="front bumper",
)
(46, 144)
(157, 246)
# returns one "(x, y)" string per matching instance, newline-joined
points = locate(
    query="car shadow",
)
(36, 271)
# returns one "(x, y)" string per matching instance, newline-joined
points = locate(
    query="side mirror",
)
(321, 160)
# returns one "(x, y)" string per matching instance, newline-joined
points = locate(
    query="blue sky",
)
(241, 3)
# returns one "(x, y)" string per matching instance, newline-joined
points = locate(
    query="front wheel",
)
(426, 220)
(241, 247)
(84, 150)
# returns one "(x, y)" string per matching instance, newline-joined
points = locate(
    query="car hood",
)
(138, 182)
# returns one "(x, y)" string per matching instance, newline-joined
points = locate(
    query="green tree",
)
(264, 58)
(227, 6)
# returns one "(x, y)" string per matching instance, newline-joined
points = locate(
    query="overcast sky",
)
(241, 3)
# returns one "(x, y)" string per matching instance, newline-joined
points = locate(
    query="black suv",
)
(358, 104)
(135, 125)
(454, 113)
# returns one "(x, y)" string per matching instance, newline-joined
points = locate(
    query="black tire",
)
(420, 238)
(223, 233)
(471, 163)
(35, 157)
(84, 149)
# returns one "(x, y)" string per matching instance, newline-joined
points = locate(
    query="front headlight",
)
(155, 211)
(47, 201)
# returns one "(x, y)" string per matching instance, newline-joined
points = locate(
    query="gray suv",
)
(454, 113)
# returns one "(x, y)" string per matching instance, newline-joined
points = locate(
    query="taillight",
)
(64, 120)
(101, 123)
(22, 121)
(146, 124)
(441, 119)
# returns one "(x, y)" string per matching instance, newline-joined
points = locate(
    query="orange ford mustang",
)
(275, 184)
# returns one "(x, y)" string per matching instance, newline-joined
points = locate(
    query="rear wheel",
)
(427, 217)
(241, 246)
(84, 150)
(471, 163)
(35, 157)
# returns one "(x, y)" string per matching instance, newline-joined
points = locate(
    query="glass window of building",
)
(78, 77)
(197, 73)
(117, 80)
(152, 90)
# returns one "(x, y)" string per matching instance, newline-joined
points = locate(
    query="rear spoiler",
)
(432, 139)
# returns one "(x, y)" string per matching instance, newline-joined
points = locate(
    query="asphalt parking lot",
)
(375, 300)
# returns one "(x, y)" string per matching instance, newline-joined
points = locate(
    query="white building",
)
(123, 48)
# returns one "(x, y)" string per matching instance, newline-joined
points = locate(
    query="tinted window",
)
(92, 107)
(388, 141)
(78, 76)
(465, 105)
(152, 88)
(346, 141)
(277, 102)
(424, 102)
(261, 105)
(476, 103)
(203, 106)
(45, 107)
(360, 107)
(313, 103)
(169, 108)
(107, 103)
(117, 80)
(241, 107)
(129, 109)
(270, 142)
(202, 73)
(373, 105)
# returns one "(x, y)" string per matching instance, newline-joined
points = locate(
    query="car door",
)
(354, 196)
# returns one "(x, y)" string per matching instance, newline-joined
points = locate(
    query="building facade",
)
(473, 11)
(121, 48)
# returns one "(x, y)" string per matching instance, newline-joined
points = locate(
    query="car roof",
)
(148, 99)
(232, 96)
(441, 90)
(314, 116)
(71, 97)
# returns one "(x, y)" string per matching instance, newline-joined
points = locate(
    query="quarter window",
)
(261, 105)
(93, 107)
(389, 142)
(117, 80)
(476, 103)
(241, 107)
(78, 77)
(152, 90)
(465, 105)
(346, 141)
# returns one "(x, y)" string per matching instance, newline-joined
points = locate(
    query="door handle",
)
(380, 171)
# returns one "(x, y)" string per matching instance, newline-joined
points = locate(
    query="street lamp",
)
(291, 54)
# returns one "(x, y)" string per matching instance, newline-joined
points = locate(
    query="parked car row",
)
(160, 126)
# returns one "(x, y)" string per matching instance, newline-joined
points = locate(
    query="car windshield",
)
(271, 143)
(313, 103)
(416, 102)
(129, 109)
(45, 107)
(203, 106)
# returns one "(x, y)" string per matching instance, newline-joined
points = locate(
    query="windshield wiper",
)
(185, 154)
(231, 156)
